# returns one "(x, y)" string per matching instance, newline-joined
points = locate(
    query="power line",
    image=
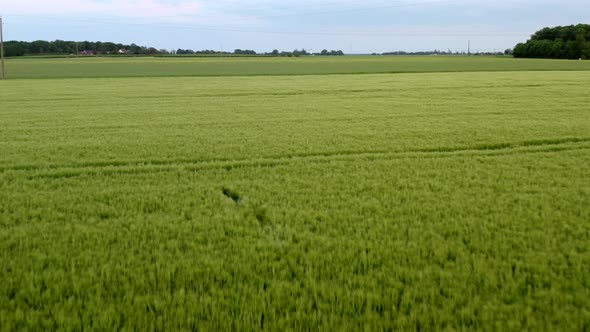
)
(396, 4)
(2, 47)
(200, 27)
(355, 10)
(303, 33)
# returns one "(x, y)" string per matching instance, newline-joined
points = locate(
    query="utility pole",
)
(469, 47)
(2, 48)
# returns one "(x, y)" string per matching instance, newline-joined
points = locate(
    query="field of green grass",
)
(109, 67)
(423, 201)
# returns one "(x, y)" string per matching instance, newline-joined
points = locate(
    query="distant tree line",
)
(440, 52)
(294, 53)
(61, 47)
(562, 42)
(437, 52)
(244, 52)
(332, 52)
(203, 52)
(301, 52)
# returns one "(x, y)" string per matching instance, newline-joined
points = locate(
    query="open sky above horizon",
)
(263, 25)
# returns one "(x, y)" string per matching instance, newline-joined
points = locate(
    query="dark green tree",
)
(567, 42)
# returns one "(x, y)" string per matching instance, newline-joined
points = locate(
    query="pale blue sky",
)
(361, 26)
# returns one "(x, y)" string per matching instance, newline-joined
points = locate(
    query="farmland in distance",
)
(454, 197)
(109, 67)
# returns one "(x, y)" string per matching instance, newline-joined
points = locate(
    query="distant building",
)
(87, 52)
(123, 51)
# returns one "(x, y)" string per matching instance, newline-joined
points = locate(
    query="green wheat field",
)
(344, 194)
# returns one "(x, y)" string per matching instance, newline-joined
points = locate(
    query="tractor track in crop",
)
(155, 166)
